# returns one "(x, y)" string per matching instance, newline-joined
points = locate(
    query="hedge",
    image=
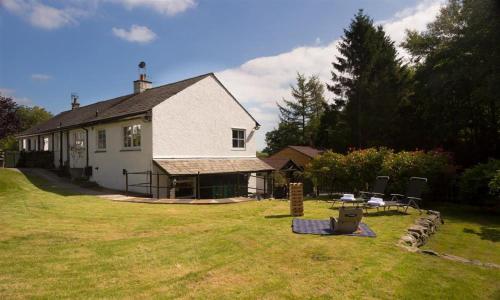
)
(36, 159)
(357, 170)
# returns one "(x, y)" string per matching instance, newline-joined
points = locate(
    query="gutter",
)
(102, 121)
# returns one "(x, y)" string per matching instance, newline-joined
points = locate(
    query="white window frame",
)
(45, 143)
(98, 145)
(238, 139)
(78, 140)
(132, 135)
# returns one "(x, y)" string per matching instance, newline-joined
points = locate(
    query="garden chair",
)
(413, 196)
(348, 221)
(378, 190)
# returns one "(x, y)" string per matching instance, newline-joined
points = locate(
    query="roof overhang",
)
(186, 167)
(131, 116)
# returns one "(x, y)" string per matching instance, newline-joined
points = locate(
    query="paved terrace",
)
(54, 181)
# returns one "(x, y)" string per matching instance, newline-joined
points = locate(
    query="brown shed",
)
(300, 155)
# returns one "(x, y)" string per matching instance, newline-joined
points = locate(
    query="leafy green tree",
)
(369, 83)
(333, 132)
(9, 119)
(15, 119)
(286, 134)
(300, 117)
(31, 116)
(457, 80)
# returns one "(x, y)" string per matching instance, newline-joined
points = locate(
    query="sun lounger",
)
(413, 195)
(378, 191)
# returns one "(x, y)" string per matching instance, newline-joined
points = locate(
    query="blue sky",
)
(49, 49)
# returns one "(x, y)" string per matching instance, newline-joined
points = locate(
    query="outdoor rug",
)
(322, 227)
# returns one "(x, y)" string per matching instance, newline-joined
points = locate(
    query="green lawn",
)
(53, 244)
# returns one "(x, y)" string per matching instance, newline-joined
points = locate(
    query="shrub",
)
(363, 166)
(327, 171)
(494, 184)
(478, 182)
(358, 169)
(436, 166)
(36, 159)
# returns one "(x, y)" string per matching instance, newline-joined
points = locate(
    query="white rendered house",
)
(189, 139)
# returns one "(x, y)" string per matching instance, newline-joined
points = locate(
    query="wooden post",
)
(198, 186)
(158, 185)
(126, 180)
(272, 185)
(151, 184)
(169, 182)
(265, 184)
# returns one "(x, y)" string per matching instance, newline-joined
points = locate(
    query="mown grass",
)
(54, 244)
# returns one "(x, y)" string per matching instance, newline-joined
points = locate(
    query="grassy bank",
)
(54, 244)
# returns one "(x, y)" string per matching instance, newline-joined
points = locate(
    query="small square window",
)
(238, 138)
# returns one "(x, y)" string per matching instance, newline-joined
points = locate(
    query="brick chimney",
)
(74, 102)
(142, 84)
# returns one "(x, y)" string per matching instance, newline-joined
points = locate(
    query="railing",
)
(223, 190)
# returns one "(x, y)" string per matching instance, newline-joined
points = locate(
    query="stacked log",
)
(296, 199)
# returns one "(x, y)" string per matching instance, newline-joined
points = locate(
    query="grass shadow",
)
(49, 181)
(466, 213)
(485, 233)
(278, 216)
(385, 213)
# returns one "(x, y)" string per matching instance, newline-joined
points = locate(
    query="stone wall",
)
(418, 233)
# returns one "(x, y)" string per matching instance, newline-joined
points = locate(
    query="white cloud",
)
(414, 18)
(166, 7)
(68, 12)
(41, 15)
(261, 82)
(19, 100)
(136, 34)
(41, 77)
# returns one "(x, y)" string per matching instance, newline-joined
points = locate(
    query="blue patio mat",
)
(322, 227)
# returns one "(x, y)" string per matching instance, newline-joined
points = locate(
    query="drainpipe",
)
(67, 149)
(86, 145)
(60, 149)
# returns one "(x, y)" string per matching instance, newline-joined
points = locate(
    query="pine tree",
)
(368, 83)
(300, 117)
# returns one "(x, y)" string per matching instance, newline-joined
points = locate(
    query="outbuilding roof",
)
(279, 163)
(307, 150)
(116, 108)
(182, 167)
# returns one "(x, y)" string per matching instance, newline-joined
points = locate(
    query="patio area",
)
(51, 181)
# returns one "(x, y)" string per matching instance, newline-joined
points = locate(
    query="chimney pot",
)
(74, 102)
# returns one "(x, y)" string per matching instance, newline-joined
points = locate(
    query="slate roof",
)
(180, 167)
(306, 150)
(120, 107)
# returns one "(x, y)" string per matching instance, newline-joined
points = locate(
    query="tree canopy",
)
(15, 119)
(446, 96)
(299, 117)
